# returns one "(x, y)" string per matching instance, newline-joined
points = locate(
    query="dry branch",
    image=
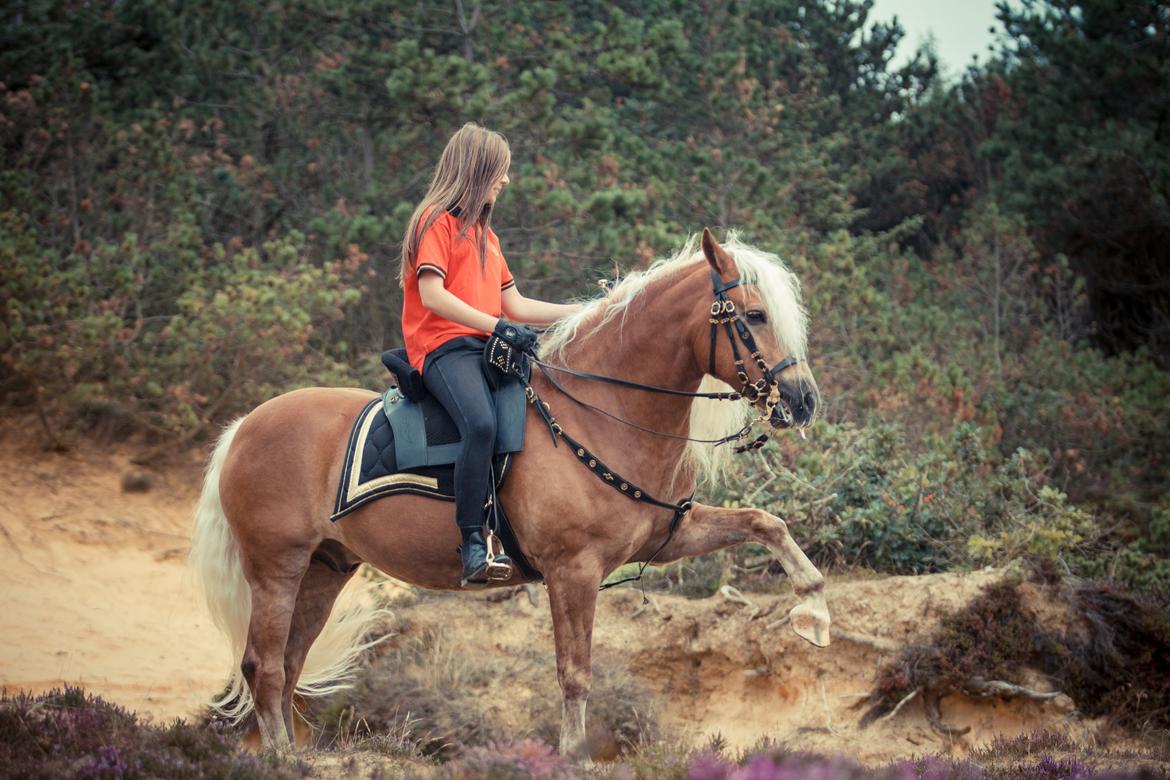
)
(733, 594)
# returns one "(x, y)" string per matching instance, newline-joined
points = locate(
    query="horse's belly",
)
(410, 538)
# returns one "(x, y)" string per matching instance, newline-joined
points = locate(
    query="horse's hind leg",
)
(708, 528)
(274, 595)
(318, 592)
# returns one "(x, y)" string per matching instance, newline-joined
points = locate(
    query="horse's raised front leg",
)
(709, 528)
(572, 596)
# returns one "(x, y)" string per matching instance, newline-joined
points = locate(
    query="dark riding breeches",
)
(454, 374)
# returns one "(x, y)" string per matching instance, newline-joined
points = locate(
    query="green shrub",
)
(247, 326)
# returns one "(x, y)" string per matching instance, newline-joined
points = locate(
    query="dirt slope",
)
(95, 592)
(722, 668)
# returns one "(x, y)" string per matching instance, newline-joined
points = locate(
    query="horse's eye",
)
(756, 317)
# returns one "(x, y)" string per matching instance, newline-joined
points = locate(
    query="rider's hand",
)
(519, 336)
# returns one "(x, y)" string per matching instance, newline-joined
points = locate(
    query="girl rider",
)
(457, 291)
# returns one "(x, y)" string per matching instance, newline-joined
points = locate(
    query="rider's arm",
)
(447, 305)
(520, 309)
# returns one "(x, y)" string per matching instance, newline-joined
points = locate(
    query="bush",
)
(873, 497)
(247, 326)
(68, 733)
(1110, 661)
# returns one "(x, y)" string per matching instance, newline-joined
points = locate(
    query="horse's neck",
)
(649, 345)
(649, 342)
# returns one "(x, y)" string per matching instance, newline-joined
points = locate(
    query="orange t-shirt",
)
(456, 259)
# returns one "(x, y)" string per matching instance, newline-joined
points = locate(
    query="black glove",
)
(522, 337)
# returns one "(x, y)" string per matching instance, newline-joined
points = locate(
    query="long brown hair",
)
(473, 161)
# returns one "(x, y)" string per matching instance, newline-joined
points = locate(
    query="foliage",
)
(200, 207)
(1107, 658)
(519, 760)
(71, 733)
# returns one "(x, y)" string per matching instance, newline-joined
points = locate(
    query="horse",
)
(272, 564)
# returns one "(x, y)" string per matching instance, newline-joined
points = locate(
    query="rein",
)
(614, 480)
(723, 313)
(719, 396)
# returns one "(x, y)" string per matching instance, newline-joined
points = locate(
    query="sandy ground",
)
(95, 592)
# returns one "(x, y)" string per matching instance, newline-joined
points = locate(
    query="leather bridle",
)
(723, 312)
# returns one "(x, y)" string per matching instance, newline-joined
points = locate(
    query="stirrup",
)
(499, 565)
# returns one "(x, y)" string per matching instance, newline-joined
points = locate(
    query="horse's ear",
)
(717, 256)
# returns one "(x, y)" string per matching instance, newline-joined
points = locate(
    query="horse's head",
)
(756, 336)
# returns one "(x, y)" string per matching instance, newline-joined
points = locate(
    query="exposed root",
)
(889, 715)
(977, 686)
(778, 623)
(930, 700)
(876, 642)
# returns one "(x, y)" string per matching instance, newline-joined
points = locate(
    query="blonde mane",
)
(780, 290)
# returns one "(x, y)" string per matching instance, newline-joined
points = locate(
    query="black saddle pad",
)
(371, 468)
(371, 471)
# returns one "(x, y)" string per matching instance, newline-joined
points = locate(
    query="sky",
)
(959, 28)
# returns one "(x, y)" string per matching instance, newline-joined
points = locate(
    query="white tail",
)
(215, 562)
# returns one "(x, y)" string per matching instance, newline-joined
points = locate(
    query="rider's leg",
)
(455, 378)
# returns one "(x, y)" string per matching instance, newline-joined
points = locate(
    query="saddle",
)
(406, 442)
(425, 434)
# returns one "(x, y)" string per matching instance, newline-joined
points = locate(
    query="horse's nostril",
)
(810, 400)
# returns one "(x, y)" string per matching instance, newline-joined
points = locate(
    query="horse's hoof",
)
(810, 620)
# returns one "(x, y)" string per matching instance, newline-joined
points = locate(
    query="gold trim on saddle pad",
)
(355, 490)
(352, 493)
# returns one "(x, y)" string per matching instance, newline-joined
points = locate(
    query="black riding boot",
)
(477, 570)
(473, 551)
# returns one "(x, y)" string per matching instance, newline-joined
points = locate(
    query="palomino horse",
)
(272, 564)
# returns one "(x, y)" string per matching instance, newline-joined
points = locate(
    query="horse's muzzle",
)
(797, 406)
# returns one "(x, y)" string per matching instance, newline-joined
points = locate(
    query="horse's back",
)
(285, 460)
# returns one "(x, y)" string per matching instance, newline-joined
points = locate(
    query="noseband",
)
(723, 313)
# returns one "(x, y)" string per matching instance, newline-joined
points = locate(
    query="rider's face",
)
(498, 187)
